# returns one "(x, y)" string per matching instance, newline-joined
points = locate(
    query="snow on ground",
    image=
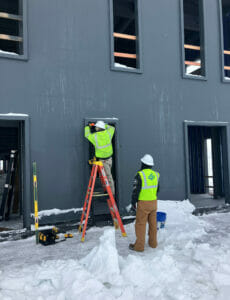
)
(192, 261)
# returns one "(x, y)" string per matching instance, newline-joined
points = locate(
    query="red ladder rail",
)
(86, 199)
(113, 203)
(99, 168)
(89, 203)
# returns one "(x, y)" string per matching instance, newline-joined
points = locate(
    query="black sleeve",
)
(136, 189)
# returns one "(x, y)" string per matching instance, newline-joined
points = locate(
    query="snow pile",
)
(89, 278)
(192, 261)
(51, 280)
(103, 260)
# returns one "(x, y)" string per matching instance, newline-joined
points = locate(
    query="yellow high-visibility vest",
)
(149, 186)
(102, 141)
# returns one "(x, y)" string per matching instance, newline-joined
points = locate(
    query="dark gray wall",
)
(67, 78)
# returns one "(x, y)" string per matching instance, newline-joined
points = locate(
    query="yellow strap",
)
(95, 162)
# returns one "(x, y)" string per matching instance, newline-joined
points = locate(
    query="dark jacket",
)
(137, 185)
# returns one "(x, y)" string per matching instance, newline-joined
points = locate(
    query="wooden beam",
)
(192, 63)
(124, 36)
(227, 68)
(192, 47)
(227, 52)
(125, 55)
(10, 16)
(11, 38)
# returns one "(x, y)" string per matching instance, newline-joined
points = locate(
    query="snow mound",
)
(52, 280)
(192, 261)
(103, 260)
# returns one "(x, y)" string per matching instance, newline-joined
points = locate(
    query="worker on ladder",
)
(102, 141)
(145, 189)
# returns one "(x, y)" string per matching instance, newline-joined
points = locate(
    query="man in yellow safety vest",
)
(145, 188)
(102, 141)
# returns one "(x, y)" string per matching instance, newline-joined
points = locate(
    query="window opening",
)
(226, 36)
(125, 34)
(193, 37)
(11, 27)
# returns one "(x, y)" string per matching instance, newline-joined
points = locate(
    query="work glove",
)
(133, 209)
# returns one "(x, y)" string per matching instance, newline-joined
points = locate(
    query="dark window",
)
(226, 36)
(125, 33)
(194, 61)
(11, 27)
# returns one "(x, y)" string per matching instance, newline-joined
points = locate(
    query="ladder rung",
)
(98, 167)
(99, 195)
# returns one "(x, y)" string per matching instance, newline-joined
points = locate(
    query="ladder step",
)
(98, 169)
(100, 195)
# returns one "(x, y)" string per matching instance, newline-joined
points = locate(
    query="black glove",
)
(133, 208)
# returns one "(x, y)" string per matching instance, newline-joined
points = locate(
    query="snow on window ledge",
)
(13, 115)
(8, 53)
(117, 65)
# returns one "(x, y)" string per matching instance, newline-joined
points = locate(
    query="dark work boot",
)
(131, 247)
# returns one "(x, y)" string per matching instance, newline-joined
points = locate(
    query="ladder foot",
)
(124, 234)
(116, 226)
(83, 239)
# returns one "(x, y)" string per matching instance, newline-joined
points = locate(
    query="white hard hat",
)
(100, 124)
(147, 159)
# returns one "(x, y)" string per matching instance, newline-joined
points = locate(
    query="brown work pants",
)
(107, 163)
(146, 212)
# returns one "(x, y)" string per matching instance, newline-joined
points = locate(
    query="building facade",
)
(157, 70)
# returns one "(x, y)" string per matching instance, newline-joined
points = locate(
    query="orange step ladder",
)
(99, 168)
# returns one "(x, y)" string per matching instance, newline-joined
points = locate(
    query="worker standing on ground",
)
(102, 141)
(145, 188)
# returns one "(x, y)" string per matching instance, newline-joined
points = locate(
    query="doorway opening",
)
(11, 174)
(207, 165)
(99, 208)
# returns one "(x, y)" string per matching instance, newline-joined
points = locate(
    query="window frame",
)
(139, 41)
(23, 56)
(224, 80)
(203, 37)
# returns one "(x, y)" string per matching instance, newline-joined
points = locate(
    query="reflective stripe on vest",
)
(102, 147)
(146, 186)
(103, 144)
